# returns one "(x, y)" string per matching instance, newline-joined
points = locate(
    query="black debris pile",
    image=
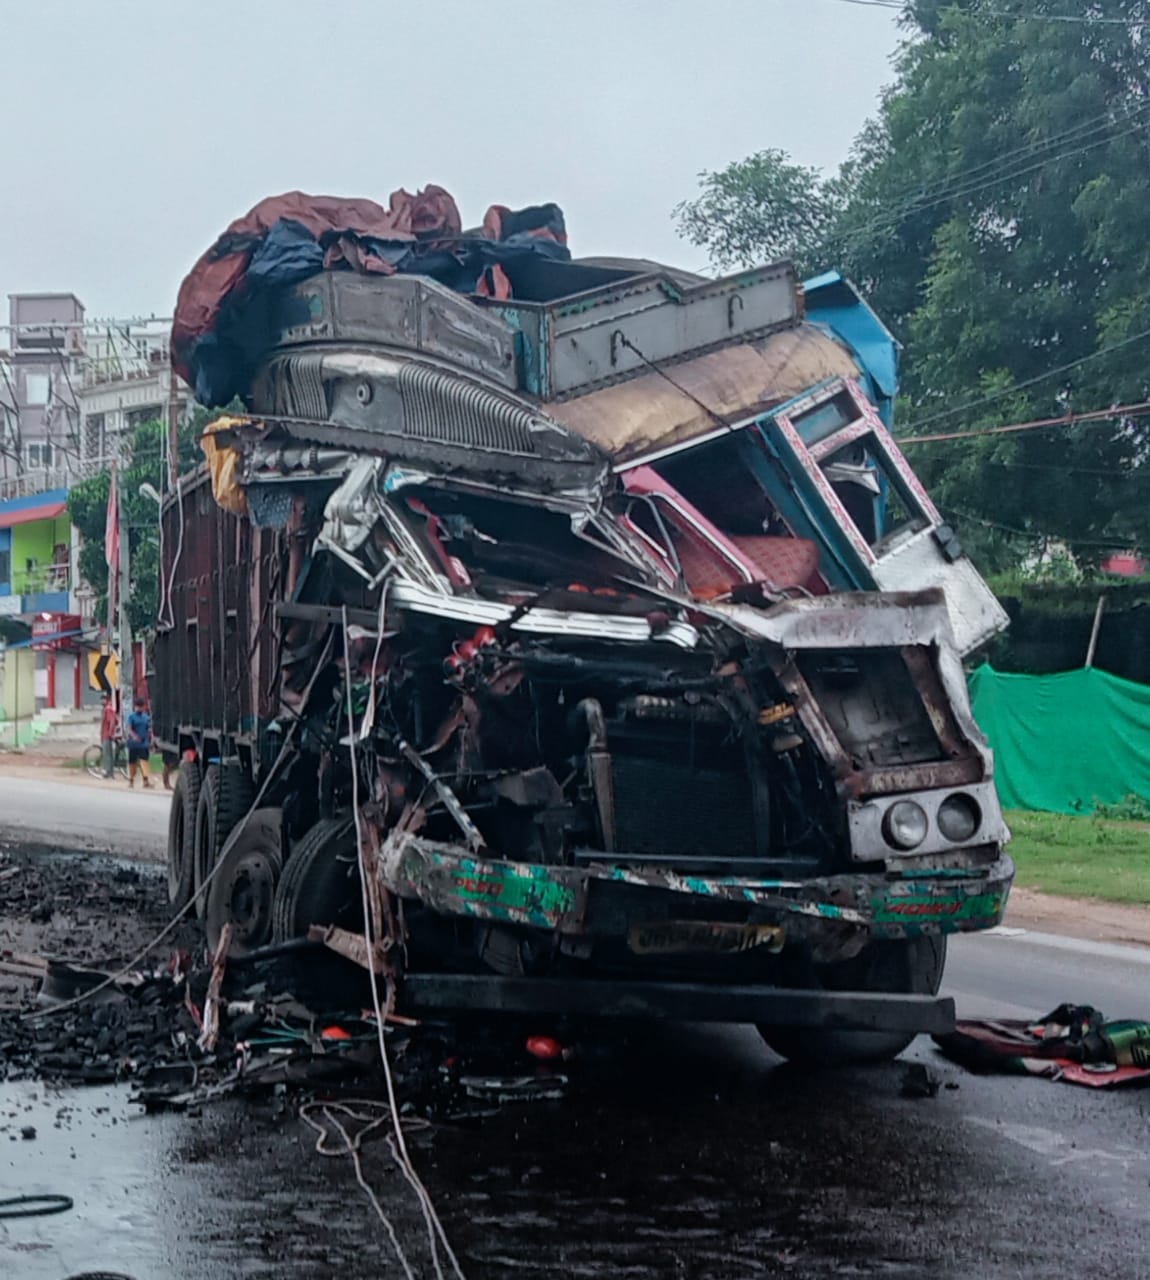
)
(193, 1027)
(93, 910)
(114, 1036)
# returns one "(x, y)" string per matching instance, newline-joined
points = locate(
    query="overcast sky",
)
(135, 130)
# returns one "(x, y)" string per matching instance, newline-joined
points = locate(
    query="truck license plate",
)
(671, 937)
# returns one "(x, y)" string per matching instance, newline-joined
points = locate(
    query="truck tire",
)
(320, 882)
(242, 891)
(225, 797)
(909, 966)
(182, 835)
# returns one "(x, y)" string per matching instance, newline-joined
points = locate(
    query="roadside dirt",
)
(1079, 917)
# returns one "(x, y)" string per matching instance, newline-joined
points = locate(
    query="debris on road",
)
(1073, 1043)
(918, 1081)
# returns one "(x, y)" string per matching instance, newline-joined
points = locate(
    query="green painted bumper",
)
(888, 905)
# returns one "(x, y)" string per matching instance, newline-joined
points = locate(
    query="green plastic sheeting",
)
(1065, 742)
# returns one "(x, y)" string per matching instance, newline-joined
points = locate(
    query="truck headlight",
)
(959, 818)
(905, 825)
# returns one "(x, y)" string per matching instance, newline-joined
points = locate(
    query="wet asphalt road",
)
(83, 813)
(688, 1152)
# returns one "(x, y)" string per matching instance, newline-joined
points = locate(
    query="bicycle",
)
(93, 758)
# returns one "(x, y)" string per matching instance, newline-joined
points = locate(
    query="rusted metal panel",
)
(213, 661)
(648, 415)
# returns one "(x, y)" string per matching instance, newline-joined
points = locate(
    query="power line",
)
(1082, 19)
(1141, 409)
(1132, 473)
(1083, 129)
(1029, 382)
(1120, 541)
(890, 220)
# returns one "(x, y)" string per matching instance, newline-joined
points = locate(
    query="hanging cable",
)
(436, 1233)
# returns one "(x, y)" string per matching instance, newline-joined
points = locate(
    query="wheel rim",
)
(244, 899)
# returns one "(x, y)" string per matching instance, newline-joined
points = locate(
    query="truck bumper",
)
(686, 1001)
(606, 899)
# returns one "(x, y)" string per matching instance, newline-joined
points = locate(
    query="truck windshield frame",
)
(839, 441)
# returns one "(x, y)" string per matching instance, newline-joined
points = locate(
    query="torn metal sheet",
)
(537, 620)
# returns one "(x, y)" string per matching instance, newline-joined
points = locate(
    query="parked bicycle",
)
(93, 758)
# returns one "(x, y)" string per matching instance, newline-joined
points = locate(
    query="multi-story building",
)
(40, 432)
(127, 379)
(72, 391)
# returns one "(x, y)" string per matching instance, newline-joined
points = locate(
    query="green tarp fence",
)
(1064, 743)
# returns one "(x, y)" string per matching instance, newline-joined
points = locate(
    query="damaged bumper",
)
(602, 900)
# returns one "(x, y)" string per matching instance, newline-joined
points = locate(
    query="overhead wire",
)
(1084, 19)
(889, 220)
(1000, 394)
(1137, 410)
(1119, 541)
(1082, 129)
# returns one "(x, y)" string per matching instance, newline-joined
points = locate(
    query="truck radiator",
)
(680, 815)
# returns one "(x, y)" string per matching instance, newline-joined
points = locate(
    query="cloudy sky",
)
(135, 130)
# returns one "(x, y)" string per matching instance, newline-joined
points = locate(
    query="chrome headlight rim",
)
(905, 825)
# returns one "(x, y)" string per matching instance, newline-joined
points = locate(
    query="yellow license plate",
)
(682, 937)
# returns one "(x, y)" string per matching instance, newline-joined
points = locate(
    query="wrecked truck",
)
(599, 623)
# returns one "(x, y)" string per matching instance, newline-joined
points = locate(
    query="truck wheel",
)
(910, 966)
(243, 889)
(225, 797)
(320, 883)
(182, 835)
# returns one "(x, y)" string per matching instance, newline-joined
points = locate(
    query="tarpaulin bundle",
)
(1067, 742)
(221, 325)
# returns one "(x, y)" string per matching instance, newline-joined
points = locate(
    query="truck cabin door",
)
(854, 487)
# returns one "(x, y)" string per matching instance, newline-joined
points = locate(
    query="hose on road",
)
(34, 1206)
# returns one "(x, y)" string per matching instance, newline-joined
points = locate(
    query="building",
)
(127, 379)
(42, 607)
(39, 379)
(72, 391)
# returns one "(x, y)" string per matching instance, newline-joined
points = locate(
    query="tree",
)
(758, 209)
(146, 463)
(994, 213)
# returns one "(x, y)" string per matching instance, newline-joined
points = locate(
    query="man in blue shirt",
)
(139, 726)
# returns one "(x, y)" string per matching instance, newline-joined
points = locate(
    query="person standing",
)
(139, 743)
(109, 731)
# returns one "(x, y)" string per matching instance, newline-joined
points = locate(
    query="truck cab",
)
(606, 635)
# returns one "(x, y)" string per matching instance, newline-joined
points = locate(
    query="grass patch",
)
(1090, 857)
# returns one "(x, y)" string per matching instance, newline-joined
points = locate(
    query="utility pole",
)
(127, 666)
(173, 432)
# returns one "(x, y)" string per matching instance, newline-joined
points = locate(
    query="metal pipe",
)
(590, 712)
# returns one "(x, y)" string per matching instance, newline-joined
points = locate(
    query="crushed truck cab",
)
(597, 640)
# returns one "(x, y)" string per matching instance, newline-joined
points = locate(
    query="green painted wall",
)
(17, 684)
(36, 541)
